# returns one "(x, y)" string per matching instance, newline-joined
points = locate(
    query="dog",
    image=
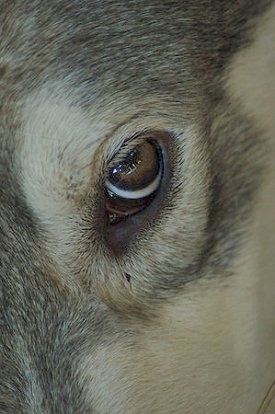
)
(137, 226)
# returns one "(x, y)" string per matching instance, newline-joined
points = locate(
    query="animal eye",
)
(137, 180)
(133, 179)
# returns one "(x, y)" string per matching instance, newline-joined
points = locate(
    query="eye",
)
(133, 179)
(138, 174)
(136, 186)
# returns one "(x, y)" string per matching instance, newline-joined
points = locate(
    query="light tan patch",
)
(252, 74)
(199, 356)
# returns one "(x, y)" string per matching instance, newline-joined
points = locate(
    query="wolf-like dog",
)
(137, 207)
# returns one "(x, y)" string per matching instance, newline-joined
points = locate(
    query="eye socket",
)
(134, 178)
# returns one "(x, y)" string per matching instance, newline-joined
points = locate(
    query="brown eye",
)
(136, 190)
(133, 180)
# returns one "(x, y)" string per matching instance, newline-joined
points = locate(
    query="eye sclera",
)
(136, 194)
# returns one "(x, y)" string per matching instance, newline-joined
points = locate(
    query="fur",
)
(181, 320)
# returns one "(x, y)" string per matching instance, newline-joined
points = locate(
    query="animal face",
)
(137, 222)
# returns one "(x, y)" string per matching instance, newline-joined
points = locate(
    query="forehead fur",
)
(162, 46)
